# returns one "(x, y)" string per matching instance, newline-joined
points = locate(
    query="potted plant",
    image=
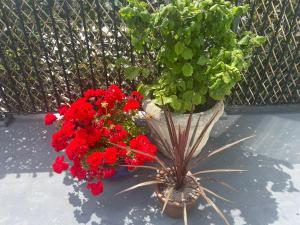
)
(192, 50)
(177, 186)
(90, 126)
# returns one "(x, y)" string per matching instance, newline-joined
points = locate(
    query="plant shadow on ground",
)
(253, 203)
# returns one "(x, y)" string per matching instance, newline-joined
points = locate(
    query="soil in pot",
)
(210, 103)
(175, 205)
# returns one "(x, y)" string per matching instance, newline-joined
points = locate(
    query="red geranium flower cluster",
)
(93, 133)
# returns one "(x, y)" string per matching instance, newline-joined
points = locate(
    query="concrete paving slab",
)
(268, 193)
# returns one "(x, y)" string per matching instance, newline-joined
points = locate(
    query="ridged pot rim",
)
(146, 102)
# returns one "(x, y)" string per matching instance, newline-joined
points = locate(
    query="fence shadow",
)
(25, 147)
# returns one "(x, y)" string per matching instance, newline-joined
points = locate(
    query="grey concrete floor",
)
(268, 193)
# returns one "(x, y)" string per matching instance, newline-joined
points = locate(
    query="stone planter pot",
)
(181, 119)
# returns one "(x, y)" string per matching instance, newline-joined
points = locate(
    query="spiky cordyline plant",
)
(181, 146)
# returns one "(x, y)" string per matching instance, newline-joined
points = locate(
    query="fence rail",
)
(52, 50)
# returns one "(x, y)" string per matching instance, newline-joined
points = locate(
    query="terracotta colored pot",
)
(174, 209)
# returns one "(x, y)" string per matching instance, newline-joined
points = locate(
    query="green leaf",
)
(226, 78)
(203, 88)
(181, 86)
(176, 104)
(258, 40)
(217, 90)
(197, 99)
(202, 60)
(188, 95)
(144, 89)
(192, 97)
(244, 40)
(187, 53)
(131, 72)
(189, 84)
(214, 7)
(187, 70)
(240, 10)
(121, 61)
(137, 43)
(179, 48)
(176, 68)
(187, 106)
(166, 100)
(187, 40)
(145, 72)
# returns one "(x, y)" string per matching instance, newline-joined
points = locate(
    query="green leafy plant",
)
(174, 177)
(199, 55)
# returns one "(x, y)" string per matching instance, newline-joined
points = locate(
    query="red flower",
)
(77, 170)
(62, 109)
(122, 152)
(109, 172)
(95, 159)
(114, 93)
(136, 95)
(95, 188)
(59, 164)
(59, 141)
(90, 134)
(131, 104)
(132, 162)
(77, 148)
(117, 134)
(143, 144)
(106, 132)
(68, 129)
(94, 93)
(94, 135)
(81, 112)
(149, 149)
(50, 118)
(89, 93)
(110, 155)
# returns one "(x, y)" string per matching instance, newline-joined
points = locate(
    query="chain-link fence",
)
(52, 50)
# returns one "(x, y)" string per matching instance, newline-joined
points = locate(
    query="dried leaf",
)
(220, 182)
(218, 150)
(215, 194)
(140, 185)
(216, 208)
(228, 146)
(185, 214)
(218, 171)
(167, 200)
